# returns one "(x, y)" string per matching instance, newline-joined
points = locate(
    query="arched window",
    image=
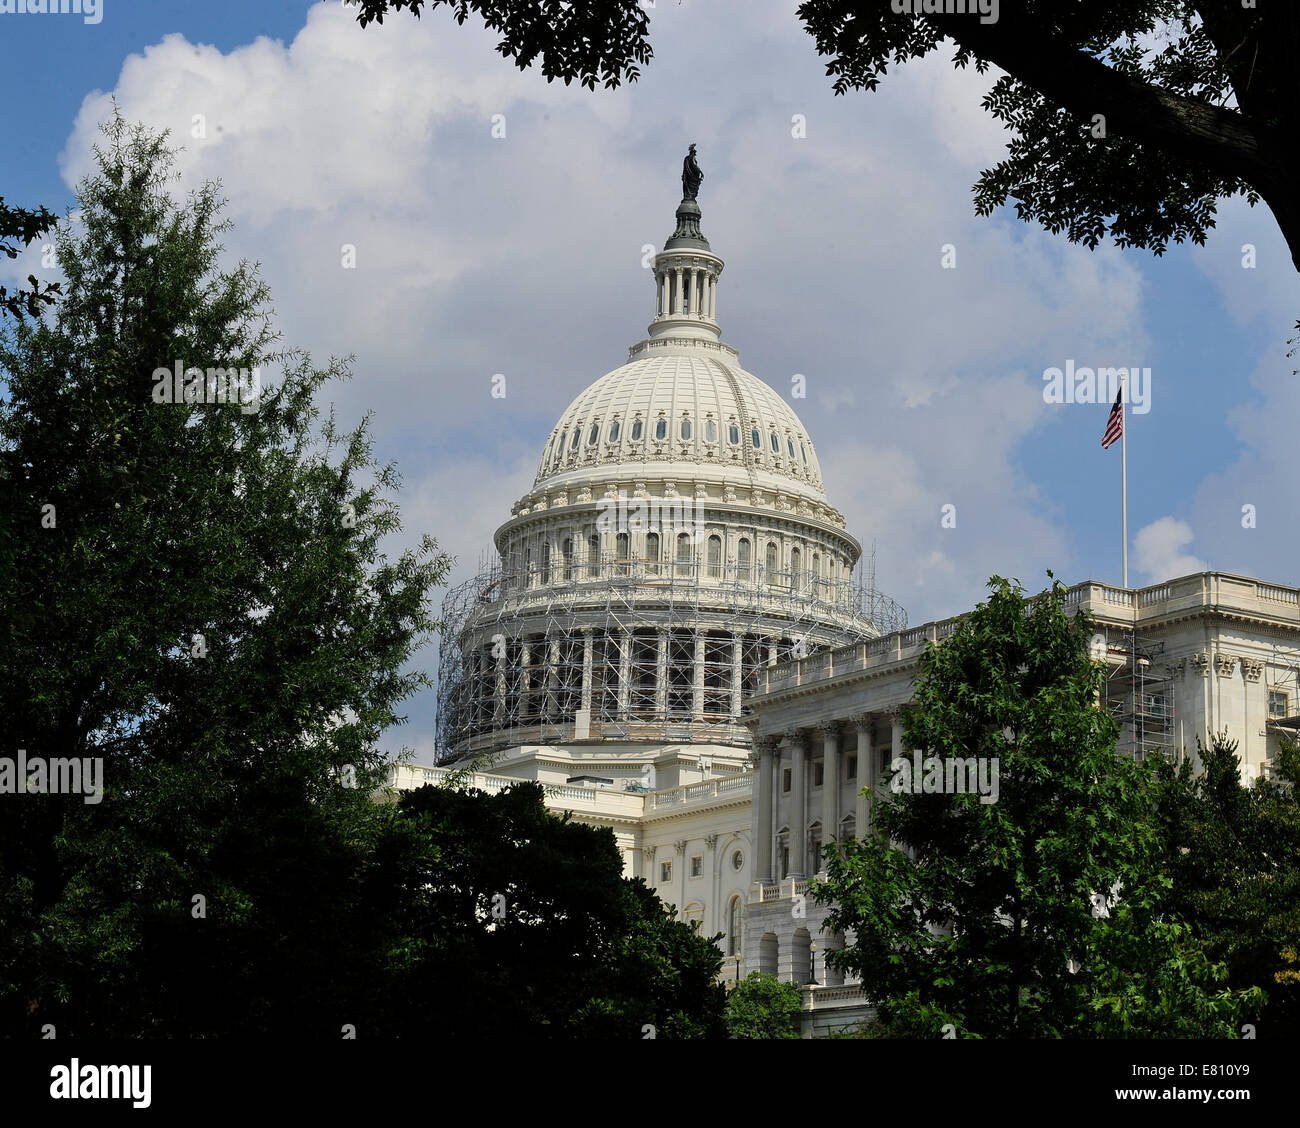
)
(733, 434)
(623, 550)
(776, 443)
(796, 559)
(559, 450)
(566, 550)
(710, 431)
(715, 558)
(754, 438)
(652, 552)
(593, 434)
(661, 428)
(789, 444)
(546, 562)
(804, 451)
(577, 436)
(613, 433)
(683, 554)
(743, 557)
(733, 927)
(817, 572)
(769, 562)
(593, 555)
(636, 430)
(685, 430)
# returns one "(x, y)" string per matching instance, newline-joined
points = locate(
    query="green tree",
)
(1233, 851)
(761, 1006)
(195, 594)
(1127, 117)
(508, 922)
(1039, 914)
(18, 227)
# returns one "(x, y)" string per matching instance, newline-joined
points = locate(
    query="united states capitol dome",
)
(676, 540)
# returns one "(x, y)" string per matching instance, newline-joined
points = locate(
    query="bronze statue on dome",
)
(691, 175)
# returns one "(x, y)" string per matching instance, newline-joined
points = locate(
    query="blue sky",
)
(521, 255)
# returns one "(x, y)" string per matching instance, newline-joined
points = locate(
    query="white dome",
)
(683, 409)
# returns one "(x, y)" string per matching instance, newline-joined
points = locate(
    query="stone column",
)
(868, 776)
(525, 679)
(503, 682)
(737, 672)
(709, 925)
(765, 750)
(772, 643)
(797, 739)
(552, 676)
(661, 677)
(830, 781)
(713, 299)
(678, 296)
(697, 696)
(624, 673)
(679, 848)
(587, 646)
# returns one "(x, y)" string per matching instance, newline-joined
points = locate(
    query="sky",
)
(499, 225)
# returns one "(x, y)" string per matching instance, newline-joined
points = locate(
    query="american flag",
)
(1115, 424)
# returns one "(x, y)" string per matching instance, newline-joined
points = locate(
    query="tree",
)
(1111, 134)
(18, 227)
(194, 596)
(510, 922)
(761, 1006)
(1233, 852)
(1036, 914)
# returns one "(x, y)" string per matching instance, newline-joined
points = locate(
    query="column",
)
(659, 296)
(737, 672)
(868, 775)
(499, 707)
(679, 848)
(587, 644)
(552, 676)
(661, 677)
(772, 643)
(525, 680)
(830, 781)
(797, 739)
(711, 924)
(678, 296)
(697, 696)
(713, 298)
(624, 673)
(765, 749)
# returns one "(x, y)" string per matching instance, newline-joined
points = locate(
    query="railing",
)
(1187, 593)
(706, 789)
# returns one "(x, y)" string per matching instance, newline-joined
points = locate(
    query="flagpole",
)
(1123, 460)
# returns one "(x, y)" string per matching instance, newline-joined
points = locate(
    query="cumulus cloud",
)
(1158, 550)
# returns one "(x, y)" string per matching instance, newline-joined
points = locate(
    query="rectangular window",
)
(785, 779)
(851, 768)
(697, 865)
(1277, 705)
(819, 769)
(665, 871)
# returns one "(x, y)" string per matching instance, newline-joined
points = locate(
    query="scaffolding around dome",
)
(631, 650)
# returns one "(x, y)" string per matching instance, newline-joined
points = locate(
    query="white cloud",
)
(1158, 551)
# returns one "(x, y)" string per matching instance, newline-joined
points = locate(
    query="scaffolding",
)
(1140, 695)
(632, 649)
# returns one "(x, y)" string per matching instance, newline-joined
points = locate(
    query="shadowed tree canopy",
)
(1128, 118)
(18, 227)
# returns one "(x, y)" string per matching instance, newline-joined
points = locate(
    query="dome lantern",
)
(686, 271)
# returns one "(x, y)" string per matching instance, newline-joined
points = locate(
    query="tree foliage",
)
(18, 227)
(761, 1006)
(1041, 914)
(1233, 851)
(196, 595)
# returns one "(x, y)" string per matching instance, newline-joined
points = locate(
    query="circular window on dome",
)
(710, 431)
(737, 860)
(661, 429)
(613, 432)
(685, 430)
(733, 435)
(636, 430)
